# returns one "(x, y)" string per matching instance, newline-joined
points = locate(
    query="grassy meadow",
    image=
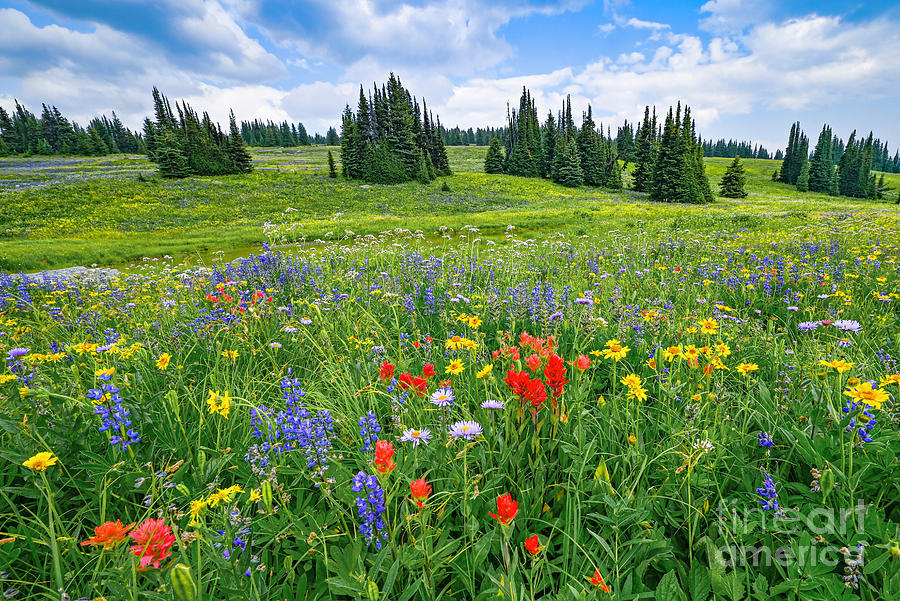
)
(59, 212)
(511, 390)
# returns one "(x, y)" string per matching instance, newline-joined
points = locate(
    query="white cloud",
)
(733, 16)
(813, 61)
(639, 24)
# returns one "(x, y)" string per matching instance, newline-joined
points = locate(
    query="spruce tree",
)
(493, 161)
(593, 163)
(732, 184)
(821, 168)
(171, 160)
(667, 168)
(548, 143)
(803, 178)
(645, 154)
(567, 164)
(237, 153)
(332, 170)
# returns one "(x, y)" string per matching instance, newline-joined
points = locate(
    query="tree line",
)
(23, 133)
(668, 158)
(190, 144)
(557, 149)
(835, 167)
(480, 136)
(390, 138)
(284, 134)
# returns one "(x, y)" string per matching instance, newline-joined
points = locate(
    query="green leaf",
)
(669, 589)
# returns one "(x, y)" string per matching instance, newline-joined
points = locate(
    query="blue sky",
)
(747, 68)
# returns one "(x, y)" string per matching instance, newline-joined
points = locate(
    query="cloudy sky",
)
(749, 68)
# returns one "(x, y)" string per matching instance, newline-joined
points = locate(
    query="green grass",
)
(63, 212)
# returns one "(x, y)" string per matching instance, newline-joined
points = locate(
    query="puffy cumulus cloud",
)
(454, 37)
(482, 101)
(319, 104)
(26, 48)
(793, 65)
(201, 37)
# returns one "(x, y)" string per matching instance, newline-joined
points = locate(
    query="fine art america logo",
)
(811, 531)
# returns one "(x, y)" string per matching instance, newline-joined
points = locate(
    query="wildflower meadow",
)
(388, 417)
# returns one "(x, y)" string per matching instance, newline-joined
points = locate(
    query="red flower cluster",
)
(154, 542)
(506, 509)
(533, 391)
(597, 580)
(542, 346)
(384, 456)
(417, 384)
(555, 375)
(108, 535)
(420, 490)
(386, 372)
(533, 545)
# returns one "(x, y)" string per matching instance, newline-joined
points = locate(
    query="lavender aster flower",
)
(492, 404)
(443, 397)
(465, 429)
(416, 437)
(847, 325)
(808, 326)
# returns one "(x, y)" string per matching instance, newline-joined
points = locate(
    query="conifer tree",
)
(593, 163)
(567, 164)
(332, 170)
(668, 165)
(645, 154)
(821, 168)
(803, 178)
(732, 184)
(237, 154)
(493, 161)
(548, 144)
(171, 160)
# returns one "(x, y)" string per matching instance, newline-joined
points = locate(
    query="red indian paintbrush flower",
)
(384, 456)
(386, 372)
(533, 362)
(535, 393)
(516, 380)
(533, 545)
(405, 381)
(420, 490)
(428, 370)
(583, 362)
(154, 542)
(506, 509)
(420, 385)
(555, 374)
(108, 535)
(597, 580)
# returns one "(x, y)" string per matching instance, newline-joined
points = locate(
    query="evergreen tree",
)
(645, 154)
(803, 178)
(493, 161)
(332, 170)
(171, 160)
(668, 165)
(548, 143)
(567, 164)
(821, 168)
(732, 184)
(237, 154)
(593, 163)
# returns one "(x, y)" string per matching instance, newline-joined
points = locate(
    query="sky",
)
(747, 69)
